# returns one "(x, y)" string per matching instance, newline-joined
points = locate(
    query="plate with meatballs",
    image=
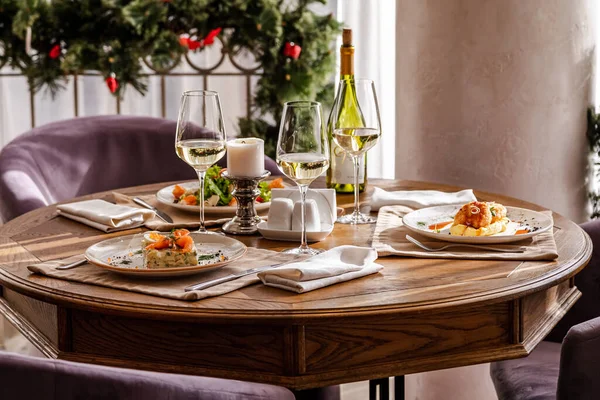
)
(477, 222)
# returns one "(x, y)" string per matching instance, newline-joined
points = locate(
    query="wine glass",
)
(302, 153)
(200, 138)
(356, 128)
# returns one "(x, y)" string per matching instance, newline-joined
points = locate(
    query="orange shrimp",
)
(178, 191)
(233, 202)
(180, 233)
(185, 242)
(276, 184)
(161, 244)
(190, 200)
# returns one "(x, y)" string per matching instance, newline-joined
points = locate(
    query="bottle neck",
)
(347, 62)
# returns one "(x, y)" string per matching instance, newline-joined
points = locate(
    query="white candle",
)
(246, 157)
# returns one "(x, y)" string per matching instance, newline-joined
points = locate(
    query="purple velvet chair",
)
(75, 157)
(567, 371)
(28, 378)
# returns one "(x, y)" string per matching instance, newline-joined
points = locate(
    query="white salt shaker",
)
(280, 214)
(311, 216)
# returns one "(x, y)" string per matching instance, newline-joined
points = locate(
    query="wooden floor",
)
(474, 380)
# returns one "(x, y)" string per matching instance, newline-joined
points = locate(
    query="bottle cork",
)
(347, 37)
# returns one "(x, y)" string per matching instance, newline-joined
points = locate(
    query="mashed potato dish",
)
(479, 218)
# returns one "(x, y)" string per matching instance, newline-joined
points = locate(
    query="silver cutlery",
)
(475, 246)
(164, 216)
(73, 264)
(232, 277)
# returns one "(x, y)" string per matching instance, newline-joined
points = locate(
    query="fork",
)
(475, 246)
(72, 265)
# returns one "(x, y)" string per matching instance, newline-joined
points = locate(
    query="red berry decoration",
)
(210, 38)
(54, 52)
(112, 83)
(292, 50)
(193, 44)
(197, 44)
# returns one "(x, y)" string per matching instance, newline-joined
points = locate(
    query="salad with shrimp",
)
(218, 190)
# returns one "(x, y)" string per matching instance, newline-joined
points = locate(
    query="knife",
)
(232, 277)
(159, 213)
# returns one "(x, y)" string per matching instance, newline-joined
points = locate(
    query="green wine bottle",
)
(345, 113)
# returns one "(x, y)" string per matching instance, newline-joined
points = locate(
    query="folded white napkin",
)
(339, 264)
(105, 216)
(419, 198)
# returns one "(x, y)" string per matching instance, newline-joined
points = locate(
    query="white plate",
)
(165, 196)
(129, 247)
(419, 221)
(293, 236)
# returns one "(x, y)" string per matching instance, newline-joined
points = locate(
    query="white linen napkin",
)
(339, 264)
(416, 199)
(105, 216)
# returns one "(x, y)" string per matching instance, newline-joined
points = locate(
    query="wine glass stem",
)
(201, 175)
(303, 190)
(356, 162)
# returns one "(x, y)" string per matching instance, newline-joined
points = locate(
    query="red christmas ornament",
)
(112, 83)
(184, 41)
(292, 50)
(54, 52)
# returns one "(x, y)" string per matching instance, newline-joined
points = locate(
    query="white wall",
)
(493, 95)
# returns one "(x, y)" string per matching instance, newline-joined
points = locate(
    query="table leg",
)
(384, 389)
(399, 387)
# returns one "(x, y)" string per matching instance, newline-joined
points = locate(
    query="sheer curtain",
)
(373, 25)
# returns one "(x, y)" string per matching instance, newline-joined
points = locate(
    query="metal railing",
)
(205, 72)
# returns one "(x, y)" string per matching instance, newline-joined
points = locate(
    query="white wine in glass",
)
(355, 141)
(302, 153)
(200, 153)
(200, 138)
(303, 168)
(356, 128)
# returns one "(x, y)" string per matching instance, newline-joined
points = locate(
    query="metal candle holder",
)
(245, 192)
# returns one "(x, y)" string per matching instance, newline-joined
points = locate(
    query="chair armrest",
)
(579, 376)
(588, 282)
(20, 194)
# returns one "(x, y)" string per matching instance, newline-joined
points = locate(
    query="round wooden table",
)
(417, 315)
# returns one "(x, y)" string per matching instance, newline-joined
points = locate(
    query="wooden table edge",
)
(57, 297)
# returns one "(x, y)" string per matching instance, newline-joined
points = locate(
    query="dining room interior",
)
(299, 199)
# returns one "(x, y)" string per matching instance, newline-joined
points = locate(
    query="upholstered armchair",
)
(79, 156)
(29, 378)
(567, 364)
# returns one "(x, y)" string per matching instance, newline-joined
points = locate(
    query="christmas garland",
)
(47, 41)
